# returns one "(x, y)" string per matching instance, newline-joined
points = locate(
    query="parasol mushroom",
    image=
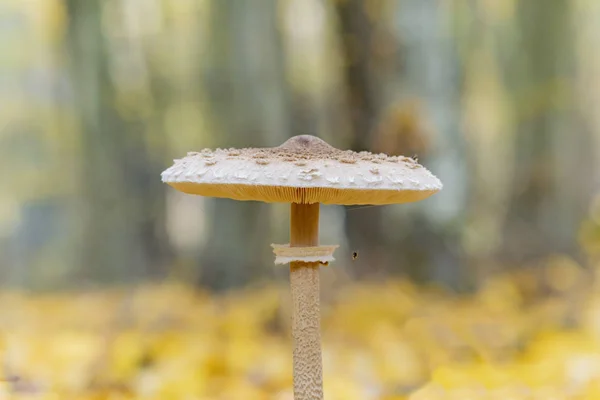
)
(304, 171)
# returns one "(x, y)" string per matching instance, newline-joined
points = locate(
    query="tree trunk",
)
(430, 74)
(119, 178)
(246, 84)
(363, 227)
(549, 197)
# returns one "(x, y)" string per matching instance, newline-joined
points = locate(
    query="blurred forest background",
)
(498, 98)
(98, 97)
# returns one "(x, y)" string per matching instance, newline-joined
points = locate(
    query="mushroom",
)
(304, 171)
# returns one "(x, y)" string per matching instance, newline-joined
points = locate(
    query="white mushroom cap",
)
(304, 169)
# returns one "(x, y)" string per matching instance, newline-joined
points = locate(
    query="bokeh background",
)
(116, 286)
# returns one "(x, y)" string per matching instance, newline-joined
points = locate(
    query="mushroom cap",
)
(305, 169)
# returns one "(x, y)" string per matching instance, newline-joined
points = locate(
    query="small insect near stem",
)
(355, 255)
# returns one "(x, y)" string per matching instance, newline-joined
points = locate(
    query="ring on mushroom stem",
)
(305, 171)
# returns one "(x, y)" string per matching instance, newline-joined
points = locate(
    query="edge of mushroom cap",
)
(297, 153)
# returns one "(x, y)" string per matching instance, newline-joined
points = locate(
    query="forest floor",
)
(526, 335)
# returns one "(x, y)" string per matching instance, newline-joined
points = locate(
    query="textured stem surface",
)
(306, 319)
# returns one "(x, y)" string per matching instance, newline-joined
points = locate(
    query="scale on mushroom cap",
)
(305, 171)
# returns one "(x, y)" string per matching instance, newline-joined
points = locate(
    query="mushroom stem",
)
(306, 319)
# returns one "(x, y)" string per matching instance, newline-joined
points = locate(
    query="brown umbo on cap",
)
(303, 170)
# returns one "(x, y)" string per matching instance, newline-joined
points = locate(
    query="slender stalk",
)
(306, 319)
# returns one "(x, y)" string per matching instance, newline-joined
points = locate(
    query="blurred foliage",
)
(523, 335)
